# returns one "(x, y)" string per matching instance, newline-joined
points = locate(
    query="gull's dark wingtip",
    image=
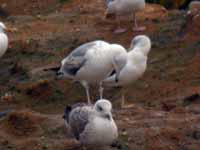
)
(67, 111)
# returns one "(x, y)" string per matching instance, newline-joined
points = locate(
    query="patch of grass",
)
(169, 3)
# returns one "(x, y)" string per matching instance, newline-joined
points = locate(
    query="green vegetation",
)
(63, 1)
(169, 3)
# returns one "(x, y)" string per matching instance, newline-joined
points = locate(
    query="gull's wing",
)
(120, 62)
(82, 50)
(73, 64)
(77, 58)
(79, 119)
(69, 108)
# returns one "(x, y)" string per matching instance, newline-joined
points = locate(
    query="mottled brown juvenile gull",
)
(135, 66)
(91, 63)
(92, 124)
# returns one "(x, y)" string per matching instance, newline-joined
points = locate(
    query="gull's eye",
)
(99, 108)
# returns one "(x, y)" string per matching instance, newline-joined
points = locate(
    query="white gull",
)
(92, 62)
(135, 66)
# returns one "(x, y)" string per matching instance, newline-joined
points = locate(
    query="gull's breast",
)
(101, 132)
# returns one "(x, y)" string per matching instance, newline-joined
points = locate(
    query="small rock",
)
(39, 16)
(124, 133)
(77, 29)
(116, 144)
(4, 113)
(167, 106)
(194, 12)
(17, 68)
(196, 135)
(4, 5)
(12, 30)
(194, 6)
(196, 20)
(190, 99)
(8, 97)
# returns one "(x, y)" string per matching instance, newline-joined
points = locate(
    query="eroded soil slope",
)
(166, 114)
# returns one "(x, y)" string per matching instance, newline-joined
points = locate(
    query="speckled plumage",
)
(90, 125)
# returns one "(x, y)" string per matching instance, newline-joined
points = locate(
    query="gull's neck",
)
(137, 55)
(139, 49)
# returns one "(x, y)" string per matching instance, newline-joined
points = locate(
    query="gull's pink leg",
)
(119, 28)
(81, 6)
(123, 103)
(136, 27)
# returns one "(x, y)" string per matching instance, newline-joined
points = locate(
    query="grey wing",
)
(76, 60)
(78, 120)
(69, 108)
(82, 50)
(73, 64)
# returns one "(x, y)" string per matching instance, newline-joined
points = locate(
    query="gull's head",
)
(142, 42)
(2, 26)
(103, 109)
(62, 71)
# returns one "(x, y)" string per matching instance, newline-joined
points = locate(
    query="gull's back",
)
(78, 119)
(121, 7)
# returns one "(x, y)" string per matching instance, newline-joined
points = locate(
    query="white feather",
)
(3, 43)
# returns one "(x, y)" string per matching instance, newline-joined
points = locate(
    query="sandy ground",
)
(166, 114)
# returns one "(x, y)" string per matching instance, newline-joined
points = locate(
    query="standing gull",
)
(3, 40)
(135, 66)
(124, 7)
(92, 124)
(92, 62)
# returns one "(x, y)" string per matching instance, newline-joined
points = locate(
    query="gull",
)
(92, 62)
(135, 66)
(124, 7)
(3, 39)
(92, 124)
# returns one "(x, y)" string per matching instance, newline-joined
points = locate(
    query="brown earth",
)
(166, 115)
